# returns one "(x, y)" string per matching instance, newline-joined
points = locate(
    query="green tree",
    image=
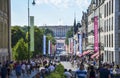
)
(20, 51)
(48, 31)
(69, 34)
(16, 34)
(38, 41)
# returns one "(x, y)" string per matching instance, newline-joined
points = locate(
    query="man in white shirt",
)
(51, 68)
(67, 74)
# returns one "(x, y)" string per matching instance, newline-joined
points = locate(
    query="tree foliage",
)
(20, 51)
(38, 40)
(69, 34)
(17, 33)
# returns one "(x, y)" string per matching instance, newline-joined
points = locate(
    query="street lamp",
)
(29, 28)
(94, 4)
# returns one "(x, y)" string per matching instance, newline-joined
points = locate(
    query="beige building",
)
(5, 22)
(109, 24)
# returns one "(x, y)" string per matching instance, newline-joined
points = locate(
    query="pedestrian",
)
(91, 72)
(71, 73)
(67, 74)
(4, 71)
(81, 72)
(104, 72)
(18, 70)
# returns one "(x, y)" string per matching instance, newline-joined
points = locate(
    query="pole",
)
(99, 40)
(28, 32)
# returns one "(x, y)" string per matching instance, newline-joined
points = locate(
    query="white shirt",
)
(23, 66)
(68, 74)
(52, 68)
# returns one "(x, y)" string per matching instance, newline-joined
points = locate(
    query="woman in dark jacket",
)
(92, 73)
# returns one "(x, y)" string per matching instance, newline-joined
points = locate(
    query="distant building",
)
(59, 34)
(5, 22)
(58, 30)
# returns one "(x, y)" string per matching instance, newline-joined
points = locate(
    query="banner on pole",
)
(80, 43)
(96, 34)
(44, 45)
(74, 46)
(49, 47)
(31, 33)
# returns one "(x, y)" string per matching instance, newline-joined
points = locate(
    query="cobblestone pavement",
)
(68, 65)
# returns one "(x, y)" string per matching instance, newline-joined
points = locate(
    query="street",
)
(68, 65)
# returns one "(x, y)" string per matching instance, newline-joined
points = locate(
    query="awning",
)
(80, 55)
(97, 53)
(86, 52)
(97, 56)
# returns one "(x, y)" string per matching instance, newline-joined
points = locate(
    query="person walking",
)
(18, 70)
(91, 72)
(104, 72)
(3, 71)
(81, 73)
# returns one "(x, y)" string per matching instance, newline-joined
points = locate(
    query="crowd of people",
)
(24, 68)
(90, 69)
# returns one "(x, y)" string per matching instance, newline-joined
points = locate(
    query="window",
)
(119, 22)
(109, 41)
(112, 56)
(119, 5)
(119, 40)
(105, 11)
(5, 5)
(112, 24)
(109, 24)
(112, 40)
(112, 5)
(0, 4)
(105, 40)
(105, 26)
(109, 7)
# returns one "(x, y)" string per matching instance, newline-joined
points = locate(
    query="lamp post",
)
(29, 28)
(94, 4)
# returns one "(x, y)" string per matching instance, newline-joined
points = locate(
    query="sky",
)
(48, 12)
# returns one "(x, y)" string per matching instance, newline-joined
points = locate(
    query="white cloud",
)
(82, 3)
(65, 3)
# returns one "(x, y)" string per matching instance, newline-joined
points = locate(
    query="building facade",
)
(5, 16)
(108, 12)
(84, 29)
(58, 30)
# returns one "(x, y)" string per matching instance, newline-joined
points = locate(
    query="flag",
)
(96, 34)
(80, 43)
(31, 33)
(49, 47)
(71, 45)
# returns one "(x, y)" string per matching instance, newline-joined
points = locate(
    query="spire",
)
(74, 19)
(74, 26)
